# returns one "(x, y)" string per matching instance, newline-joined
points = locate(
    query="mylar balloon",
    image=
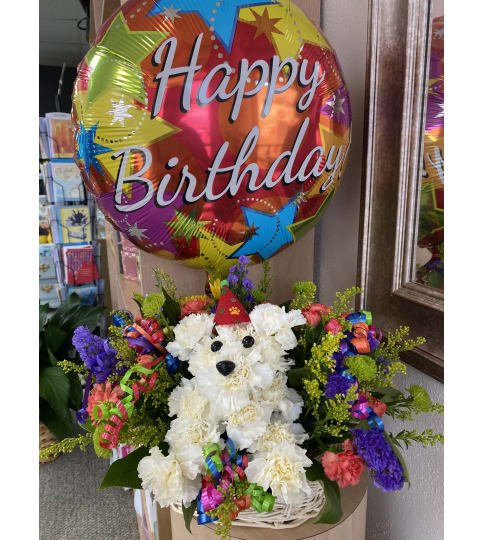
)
(431, 218)
(211, 129)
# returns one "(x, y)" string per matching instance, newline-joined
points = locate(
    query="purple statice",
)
(377, 453)
(244, 260)
(97, 354)
(247, 284)
(391, 478)
(232, 279)
(337, 384)
(248, 298)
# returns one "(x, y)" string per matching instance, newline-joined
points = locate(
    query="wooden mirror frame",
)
(398, 52)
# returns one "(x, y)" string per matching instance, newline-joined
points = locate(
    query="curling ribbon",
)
(261, 501)
(121, 317)
(219, 464)
(360, 316)
(145, 336)
(123, 408)
(172, 363)
(361, 409)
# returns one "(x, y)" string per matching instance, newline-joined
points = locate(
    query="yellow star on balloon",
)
(115, 60)
(137, 128)
(294, 26)
(213, 252)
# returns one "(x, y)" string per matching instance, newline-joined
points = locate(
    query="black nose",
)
(225, 367)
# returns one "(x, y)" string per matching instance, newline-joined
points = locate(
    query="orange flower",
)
(194, 306)
(101, 393)
(314, 313)
(344, 468)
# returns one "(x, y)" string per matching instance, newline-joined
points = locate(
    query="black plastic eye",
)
(216, 345)
(248, 341)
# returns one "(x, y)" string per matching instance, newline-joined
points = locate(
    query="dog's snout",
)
(225, 367)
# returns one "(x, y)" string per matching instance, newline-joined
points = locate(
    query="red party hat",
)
(230, 310)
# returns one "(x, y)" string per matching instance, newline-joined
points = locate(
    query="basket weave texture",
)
(46, 438)
(283, 516)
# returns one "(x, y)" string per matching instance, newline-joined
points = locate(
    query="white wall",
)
(415, 513)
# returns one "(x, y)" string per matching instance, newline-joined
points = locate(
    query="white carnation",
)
(187, 431)
(247, 424)
(228, 394)
(189, 332)
(187, 402)
(278, 432)
(171, 478)
(283, 470)
(272, 320)
(284, 399)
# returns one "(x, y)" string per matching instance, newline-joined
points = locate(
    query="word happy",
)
(268, 76)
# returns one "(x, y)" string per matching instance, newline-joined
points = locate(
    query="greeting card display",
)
(60, 135)
(65, 181)
(211, 130)
(73, 224)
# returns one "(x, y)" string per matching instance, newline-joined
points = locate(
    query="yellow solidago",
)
(314, 392)
(338, 412)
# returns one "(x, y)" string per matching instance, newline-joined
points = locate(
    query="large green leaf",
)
(172, 309)
(65, 311)
(43, 315)
(88, 316)
(123, 472)
(55, 337)
(332, 510)
(60, 426)
(76, 393)
(188, 513)
(296, 376)
(54, 387)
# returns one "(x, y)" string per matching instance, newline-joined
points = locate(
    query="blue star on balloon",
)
(222, 18)
(88, 150)
(272, 231)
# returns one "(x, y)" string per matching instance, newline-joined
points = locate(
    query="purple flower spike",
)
(244, 260)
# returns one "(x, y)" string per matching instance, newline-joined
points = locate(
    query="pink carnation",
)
(314, 313)
(344, 468)
(194, 306)
(101, 393)
(333, 327)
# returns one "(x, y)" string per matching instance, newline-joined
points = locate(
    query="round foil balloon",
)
(431, 218)
(211, 129)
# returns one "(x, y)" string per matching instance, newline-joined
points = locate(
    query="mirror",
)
(429, 259)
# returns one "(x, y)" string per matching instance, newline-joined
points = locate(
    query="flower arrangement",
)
(233, 402)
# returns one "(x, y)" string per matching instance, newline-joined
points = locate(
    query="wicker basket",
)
(283, 516)
(46, 438)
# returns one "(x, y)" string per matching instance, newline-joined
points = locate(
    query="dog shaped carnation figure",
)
(238, 391)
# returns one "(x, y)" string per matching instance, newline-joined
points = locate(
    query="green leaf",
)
(43, 316)
(332, 510)
(60, 426)
(76, 394)
(188, 513)
(172, 309)
(123, 472)
(88, 316)
(54, 387)
(395, 447)
(55, 337)
(386, 394)
(296, 376)
(50, 357)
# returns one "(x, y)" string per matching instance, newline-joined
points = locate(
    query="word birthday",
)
(314, 164)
